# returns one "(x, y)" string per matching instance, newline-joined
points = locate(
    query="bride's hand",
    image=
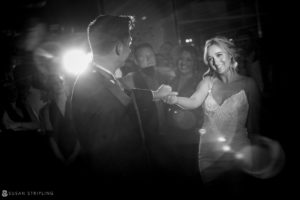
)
(170, 99)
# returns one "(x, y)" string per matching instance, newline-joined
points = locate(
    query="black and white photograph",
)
(146, 99)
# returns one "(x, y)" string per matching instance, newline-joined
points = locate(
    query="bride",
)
(231, 104)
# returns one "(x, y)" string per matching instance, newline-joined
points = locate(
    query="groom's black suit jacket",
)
(106, 125)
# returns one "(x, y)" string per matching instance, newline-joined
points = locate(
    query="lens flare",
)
(226, 148)
(75, 61)
(221, 139)
(239, 156)
(202, 131)
(264, 160)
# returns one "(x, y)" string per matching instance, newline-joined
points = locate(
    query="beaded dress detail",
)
(223, 133)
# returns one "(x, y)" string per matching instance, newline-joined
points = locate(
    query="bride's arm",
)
(196, 99)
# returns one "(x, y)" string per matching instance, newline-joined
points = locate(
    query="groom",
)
(104, 115)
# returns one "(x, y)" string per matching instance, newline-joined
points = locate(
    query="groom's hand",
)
(162, 92)
(170, 99)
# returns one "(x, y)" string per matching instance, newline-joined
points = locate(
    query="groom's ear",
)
(119, 48)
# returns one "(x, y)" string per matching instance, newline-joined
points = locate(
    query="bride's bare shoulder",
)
(205, 82)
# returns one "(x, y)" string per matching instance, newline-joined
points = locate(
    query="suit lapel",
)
(112, 86)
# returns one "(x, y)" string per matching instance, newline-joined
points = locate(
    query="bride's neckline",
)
(229, 97)
(226, 99)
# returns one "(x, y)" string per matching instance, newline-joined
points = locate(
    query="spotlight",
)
(75, 61)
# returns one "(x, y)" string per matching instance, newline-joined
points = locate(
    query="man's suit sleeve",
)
(143, 97)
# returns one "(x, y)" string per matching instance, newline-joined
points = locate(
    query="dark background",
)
(277, 23)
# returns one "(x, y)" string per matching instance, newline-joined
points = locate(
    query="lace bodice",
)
(229, 117)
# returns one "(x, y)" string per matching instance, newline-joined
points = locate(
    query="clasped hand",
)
(170, 99)
(165, 93)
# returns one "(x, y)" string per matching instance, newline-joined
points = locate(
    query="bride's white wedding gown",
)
(223, 134)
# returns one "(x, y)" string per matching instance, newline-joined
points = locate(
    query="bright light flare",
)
(226, 148)
(264, 159)
(202, 131)
(221, 139)
(188, 40)
(76, 61)
(239, 156)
